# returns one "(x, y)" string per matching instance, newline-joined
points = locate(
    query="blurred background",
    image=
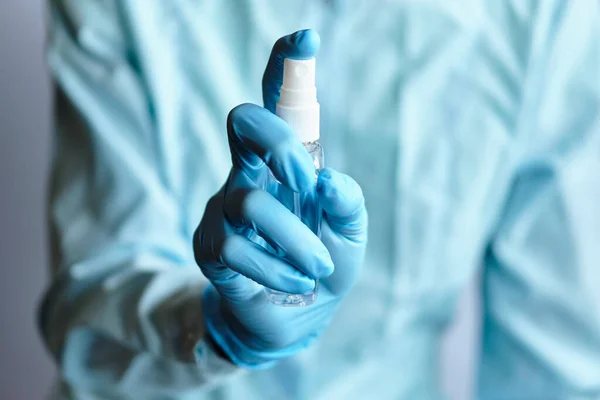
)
(26, 371)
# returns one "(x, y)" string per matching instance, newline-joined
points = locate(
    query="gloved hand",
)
(253, 332)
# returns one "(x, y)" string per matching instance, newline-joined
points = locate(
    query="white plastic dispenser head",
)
(297, 103)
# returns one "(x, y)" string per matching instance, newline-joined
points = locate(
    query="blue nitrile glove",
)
(253, 332)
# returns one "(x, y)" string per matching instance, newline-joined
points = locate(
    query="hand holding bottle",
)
(252, 331)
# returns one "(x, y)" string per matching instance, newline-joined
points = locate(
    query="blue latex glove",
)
(253, 332)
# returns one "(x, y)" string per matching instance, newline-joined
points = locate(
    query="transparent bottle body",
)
(305, 206)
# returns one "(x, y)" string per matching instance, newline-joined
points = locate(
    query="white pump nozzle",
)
(297, 103)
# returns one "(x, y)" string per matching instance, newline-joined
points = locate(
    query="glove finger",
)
(227, 259)
(344, 230)
(300, 45)
(207, 242)
(255, 135)
(265, 215)
(344, 204)
(251, 260)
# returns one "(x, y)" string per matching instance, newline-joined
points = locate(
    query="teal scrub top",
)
(473, 127)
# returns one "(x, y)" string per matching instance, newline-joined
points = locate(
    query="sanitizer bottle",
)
(298, 106)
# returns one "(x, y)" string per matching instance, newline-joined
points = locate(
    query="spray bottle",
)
(298, 106)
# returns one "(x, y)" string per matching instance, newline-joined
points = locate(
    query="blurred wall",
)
(460, 347)
(26, 371)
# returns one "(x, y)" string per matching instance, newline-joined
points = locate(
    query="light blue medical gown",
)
(473, 128)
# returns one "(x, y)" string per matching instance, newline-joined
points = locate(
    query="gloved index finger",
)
(300, 45)
(256, 135)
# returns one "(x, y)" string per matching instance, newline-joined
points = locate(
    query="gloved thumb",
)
(344, 204)
(344, 229)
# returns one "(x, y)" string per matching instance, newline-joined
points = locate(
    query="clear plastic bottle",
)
(305, 206)
(298, 106)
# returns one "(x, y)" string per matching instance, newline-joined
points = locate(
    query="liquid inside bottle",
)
(305, 206)
(298, 106)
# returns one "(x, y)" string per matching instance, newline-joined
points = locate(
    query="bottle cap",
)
(297, 103)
